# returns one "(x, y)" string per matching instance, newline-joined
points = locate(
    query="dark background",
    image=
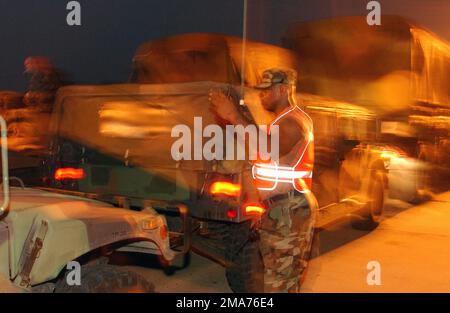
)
(101, 49)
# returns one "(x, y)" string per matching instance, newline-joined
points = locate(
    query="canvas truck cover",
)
(386, 68)
(206, 57)
(133, 123)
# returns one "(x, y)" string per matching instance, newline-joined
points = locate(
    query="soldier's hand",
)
(223, 106)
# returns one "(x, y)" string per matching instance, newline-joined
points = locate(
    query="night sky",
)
(101, 49)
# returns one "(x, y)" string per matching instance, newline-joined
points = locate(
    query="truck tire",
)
(373, 212)
(246, 274)
(105, 278)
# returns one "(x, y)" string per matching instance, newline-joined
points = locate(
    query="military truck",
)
(41, 231)
(113, 143)
(398, 70)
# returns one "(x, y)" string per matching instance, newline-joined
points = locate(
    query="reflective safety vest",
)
(294, 170)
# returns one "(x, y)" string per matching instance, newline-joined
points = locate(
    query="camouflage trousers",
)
(286, 236)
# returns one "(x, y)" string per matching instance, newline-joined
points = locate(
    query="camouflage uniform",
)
(286, 236)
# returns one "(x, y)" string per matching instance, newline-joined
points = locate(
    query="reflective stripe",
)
(278, 173)
(281, 174)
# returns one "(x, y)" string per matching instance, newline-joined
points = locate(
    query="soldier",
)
(286, 229)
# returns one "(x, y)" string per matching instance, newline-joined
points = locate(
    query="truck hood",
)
(23, 199)
(71, 226)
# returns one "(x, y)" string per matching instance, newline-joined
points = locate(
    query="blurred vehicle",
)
(113, 142)
(27, 133)
(41, 231)
(398, 70)
(10, 99)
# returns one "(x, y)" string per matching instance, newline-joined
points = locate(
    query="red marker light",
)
(225, 188)
(231, 213)
(69, 173)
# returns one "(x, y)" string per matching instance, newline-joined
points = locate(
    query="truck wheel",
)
(246, 274)
(372, 214)
(105, 278)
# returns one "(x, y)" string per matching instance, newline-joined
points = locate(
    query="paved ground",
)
(412, 246)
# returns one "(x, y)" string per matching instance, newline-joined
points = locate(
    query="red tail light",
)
(254, 209)
(225, 188)
(69, 173)
(231, 213)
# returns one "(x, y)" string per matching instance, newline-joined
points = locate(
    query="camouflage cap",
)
(274, 76)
